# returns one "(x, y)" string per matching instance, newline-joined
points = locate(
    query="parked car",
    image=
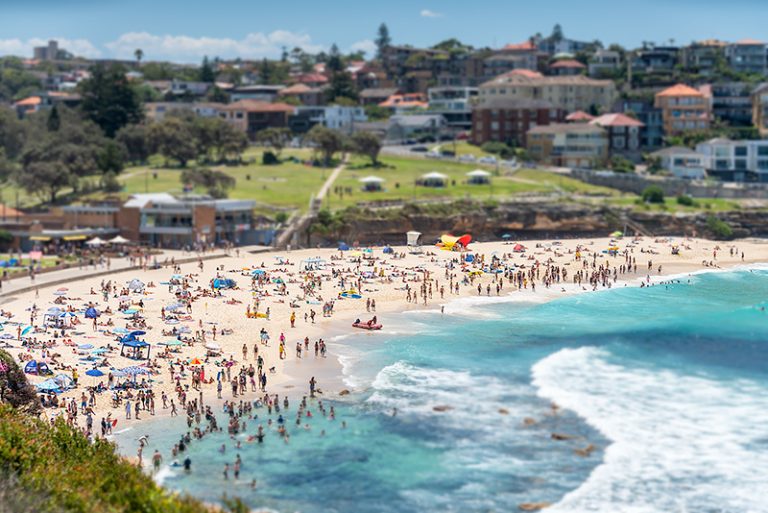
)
(433, 154)
(420, 149)
(487, 160)
(467, 157)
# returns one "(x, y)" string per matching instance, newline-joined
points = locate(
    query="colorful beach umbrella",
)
(196, 361)
(96, 373)
(26, 330)
(135, 370)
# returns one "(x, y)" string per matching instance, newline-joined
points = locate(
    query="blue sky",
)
(186, 30)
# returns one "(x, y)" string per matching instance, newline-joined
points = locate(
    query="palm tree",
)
(139, 54)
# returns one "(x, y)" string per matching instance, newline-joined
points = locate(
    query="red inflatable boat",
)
(366, 326)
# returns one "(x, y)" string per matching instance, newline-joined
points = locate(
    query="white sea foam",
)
(164, 473)
(680, 443)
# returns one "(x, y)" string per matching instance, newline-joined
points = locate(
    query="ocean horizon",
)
(629, 399)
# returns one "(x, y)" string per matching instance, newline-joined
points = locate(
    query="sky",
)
(185, 31)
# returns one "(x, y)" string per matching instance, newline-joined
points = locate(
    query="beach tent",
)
(372, 183)
(96, 241)
(223, 283)
(91, 313)
(388, 250)
(469, 258)
(312, 264)
(37, 368)
(135, 348)
(412, 239)
(136, 285)
(119, 240)
(519, 248)
(478, 177)
(506, 236)
(617, 234)
(49, 385)
(433, 179)
(343, 246)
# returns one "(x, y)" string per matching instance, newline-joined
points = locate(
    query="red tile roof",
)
(579, 115)
(525, 46)
(523, 73)
(6, 211)
(567, 63)
(616, 119)
(749, 42)
(29, 102)
(680, 90)
(259, 106)
(309, 78)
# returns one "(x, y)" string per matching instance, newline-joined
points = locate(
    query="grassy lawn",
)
(463, 148)
(564, 183)
(24, 263)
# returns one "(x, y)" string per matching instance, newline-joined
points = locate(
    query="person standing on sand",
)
(293, 319)
(312, 384)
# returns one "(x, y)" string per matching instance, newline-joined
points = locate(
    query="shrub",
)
(719, 228)
(685, 200)
(653, 194)
(110, 183)
(498, 148)
(269, 159)
(281, 217)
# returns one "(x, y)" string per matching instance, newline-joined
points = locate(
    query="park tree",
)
(335, 62)
(54, 121)
(134, 140)
(216, 183)
(383, 40)
(340, 86)
(139, 54)
(109, 99)
(12, 134)
(111, 159)
(174, 139)
(327, 141)
(367, 144)
(274, 138)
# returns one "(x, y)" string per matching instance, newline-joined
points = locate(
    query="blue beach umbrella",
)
(96, 373)
(27, 329)
(85, 346)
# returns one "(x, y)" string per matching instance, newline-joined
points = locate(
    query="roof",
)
(29, 102)
(579, 115)
(405, 100)
(567, 63)
(566, 128)
(522, 73)
(381, 92)
(6, 211)
(536, 79)
(415, 120)
(259, 106)
(680, 90)
(616, 119)
(525, 46)
(514, 104)
(312, 77)
(141, 200)
(296, 89)
(749, 42)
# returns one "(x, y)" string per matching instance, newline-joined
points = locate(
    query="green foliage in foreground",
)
(719, 228)
(53, 469)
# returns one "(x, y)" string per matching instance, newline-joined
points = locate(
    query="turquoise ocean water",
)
(668, 383)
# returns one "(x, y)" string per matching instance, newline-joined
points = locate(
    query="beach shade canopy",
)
(223, 283)
(136, 285)
(48, 385)
(372, 183)
(506, 236)
(37, 368)
(132, 336)
(212, 346)
(617, 234)
(258, 272)
(519, 248)
(54, 310)
(343, 246)
(450, 242)
(434, 179)
(196, 361)
(60, 293)
(118, 240)
(96, 373)
(388, 250)
(96, 241)
(27, 330)
(65, 315)
(91, 313)
(469, 258)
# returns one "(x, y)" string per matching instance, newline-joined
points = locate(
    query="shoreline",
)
(292, 374)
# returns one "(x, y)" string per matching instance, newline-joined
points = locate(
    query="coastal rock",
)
(504, 411)
(528, 421)
(560, 436)
(442, 407)
(586, 451)
(344, 392)
(533, 506)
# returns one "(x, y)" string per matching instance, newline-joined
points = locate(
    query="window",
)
(762, 151)
(740, 151)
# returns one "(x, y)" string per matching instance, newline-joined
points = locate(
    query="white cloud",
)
(23, 48)
(366, 45)
(426, 13)
(192, 49)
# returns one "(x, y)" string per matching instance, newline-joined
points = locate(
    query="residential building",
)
(738, 161)
(156, 111)
(45, 100)
(732, 102)
(501, 63)
(703, 57)
(642, 109)
(623, 132)
(376, 96)
(189, 88)
(305, 94)
(683, 162)
(574, 145)
(252, 116)
(454, 103)
(47, 53)
(684, 109)
(567, 68)
(416, 126)
(656, 59)
(336, 117)
(760, 109)
(509, 120)
(747, 56)
(604, 63)
(261, 93)
(555, 44)
(312, 79)
(568, 93)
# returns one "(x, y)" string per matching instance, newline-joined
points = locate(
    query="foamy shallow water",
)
(667, 383)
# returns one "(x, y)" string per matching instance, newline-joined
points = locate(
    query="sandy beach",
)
(297, 284)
